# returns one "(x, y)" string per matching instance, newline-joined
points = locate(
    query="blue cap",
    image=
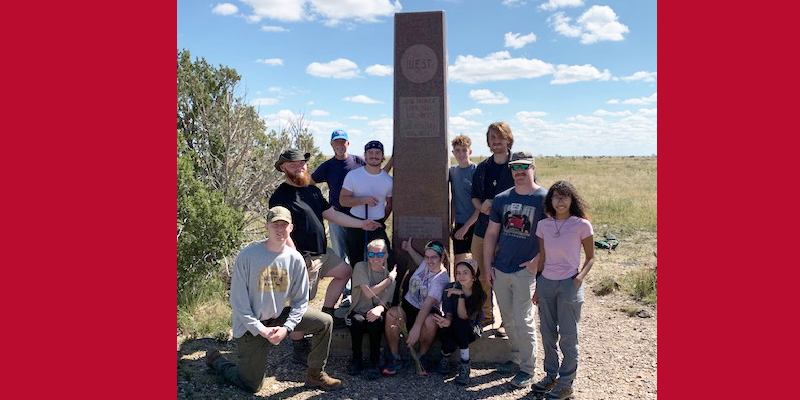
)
(339, 134)
(373, 145)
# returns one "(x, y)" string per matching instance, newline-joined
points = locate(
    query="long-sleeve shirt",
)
(263, 282)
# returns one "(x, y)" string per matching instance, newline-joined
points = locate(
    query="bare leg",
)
(393, 328)
(341, 274)
(428, 334)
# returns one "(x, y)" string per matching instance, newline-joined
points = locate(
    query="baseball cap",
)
(373, 145)
(521, 157)
(279, 213)
(291, 155)
(339, 134)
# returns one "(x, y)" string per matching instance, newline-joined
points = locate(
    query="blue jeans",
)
(560, 305)
(338, 244)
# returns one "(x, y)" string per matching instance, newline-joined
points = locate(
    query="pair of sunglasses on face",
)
(373, 255)
(517, 167)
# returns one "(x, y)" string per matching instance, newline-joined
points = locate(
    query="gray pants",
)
(514, 292)
(559, 313)
(252, 351)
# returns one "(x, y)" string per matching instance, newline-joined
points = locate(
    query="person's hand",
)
(370, 201)
(441, 321)
(489, 273)
(406, 245)
(577, 282)
(374, 314)
(459, 235)
(275, 334)
(486, 206)
(370, 225)
(393, 273)
(535, 298)
(413, 336)
(454, 292)
(531, 265)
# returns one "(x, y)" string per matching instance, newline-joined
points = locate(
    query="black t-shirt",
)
(473, 305)
(306, 205)
(496, 179)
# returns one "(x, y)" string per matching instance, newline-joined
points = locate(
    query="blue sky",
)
(571, 77)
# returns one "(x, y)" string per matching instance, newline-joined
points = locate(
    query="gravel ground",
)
(617, 361)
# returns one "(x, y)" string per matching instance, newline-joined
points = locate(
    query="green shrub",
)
(642, 285)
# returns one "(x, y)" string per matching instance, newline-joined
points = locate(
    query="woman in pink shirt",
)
(559, 287)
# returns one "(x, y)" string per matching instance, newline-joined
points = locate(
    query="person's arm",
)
(542, 257)
(462, 307)
(372, 291)
(588, 248)
(489, 245)
(345, 220)
(347, 199)
(298, 292)
(389, 164)
(388, 208)
(414, 332)
(290, 243)
(240, 298)
(406, 245)
(464, 229)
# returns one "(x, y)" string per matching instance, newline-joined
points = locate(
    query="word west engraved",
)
(419, 116)
(419, 63)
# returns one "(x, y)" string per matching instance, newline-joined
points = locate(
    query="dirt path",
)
(617, 361)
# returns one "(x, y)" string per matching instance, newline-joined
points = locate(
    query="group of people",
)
(514, 241)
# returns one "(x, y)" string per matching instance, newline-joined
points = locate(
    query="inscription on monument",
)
(419, 63)
(419, 117)
(421, 227)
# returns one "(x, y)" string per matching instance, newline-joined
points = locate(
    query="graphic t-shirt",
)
(562, 245)
(518, 216)
(424, 283)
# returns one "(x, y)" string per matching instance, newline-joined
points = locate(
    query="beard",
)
(301, 178)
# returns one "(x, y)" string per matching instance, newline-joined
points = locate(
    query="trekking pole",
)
(366, 234)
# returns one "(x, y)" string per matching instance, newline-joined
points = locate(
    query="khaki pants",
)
(319, 266)
(252, 351)
(477, 255)
(514, 292)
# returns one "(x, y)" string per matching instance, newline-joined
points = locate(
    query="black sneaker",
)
(444, 365)
(463, 373)
(355, 366)
(545, 385)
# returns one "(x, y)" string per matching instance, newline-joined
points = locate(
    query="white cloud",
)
(319, 113)
(264, 101)
(555, 4)
(586, 120)
(642, 100)
(357, 117)
(578, 73)
(530, 114)
(341, 68)
(382, 129)
(648, 111)
(362, 99)
(310, 103)
(463, 122)
(613, 101)
(497, 67)
(471, 112)
(598, 23)
(641, 76)
(604, 113)
(275, 89)
(269, 28)
(270, 61)
(514, 3)
(330, 12)
(485, 96)
(225, 9)
(515, 41)
(379, 70)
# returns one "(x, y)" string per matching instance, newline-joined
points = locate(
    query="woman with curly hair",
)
(559, 287)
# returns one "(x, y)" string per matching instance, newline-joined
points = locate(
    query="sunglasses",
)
(372, 255)
(517, 167)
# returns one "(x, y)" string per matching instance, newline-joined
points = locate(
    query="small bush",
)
(210, 317)
(606, 286)
(642, 285)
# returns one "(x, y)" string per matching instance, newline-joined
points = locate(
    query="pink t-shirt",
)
(563, 252)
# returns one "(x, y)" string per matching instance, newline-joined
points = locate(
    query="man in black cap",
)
(308, 207)
(368, 193)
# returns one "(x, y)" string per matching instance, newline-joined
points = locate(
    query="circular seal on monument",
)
(419, 63)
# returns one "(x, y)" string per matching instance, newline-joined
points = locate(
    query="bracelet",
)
(461, 296)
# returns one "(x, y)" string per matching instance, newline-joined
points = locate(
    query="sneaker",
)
(545, 385)
(319, 378)
(211, 356)
(561, 394)
(355, 366)
(522, 380)
(463, 373)
(345, 302)
(300, 350)
(501, 332)
(444, 365)
(507, 368)
(372, 373)
(391, 367)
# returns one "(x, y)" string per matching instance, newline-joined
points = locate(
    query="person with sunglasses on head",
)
(512, 270)
(421, 302)
(461, 323)
(373, 290)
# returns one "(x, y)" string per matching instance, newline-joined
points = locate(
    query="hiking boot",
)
(319, 378)
(444, 365)
(507, 368)
(211, 356)
(463, 373)
(522, 380)
(391, 367)
(355, 366)
(561, 394)
(300, 350)
(545, 385)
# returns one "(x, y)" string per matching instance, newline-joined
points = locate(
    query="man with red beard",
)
(308, 207)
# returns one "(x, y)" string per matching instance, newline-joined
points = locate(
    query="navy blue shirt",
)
(333, 172)
(518, 217)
